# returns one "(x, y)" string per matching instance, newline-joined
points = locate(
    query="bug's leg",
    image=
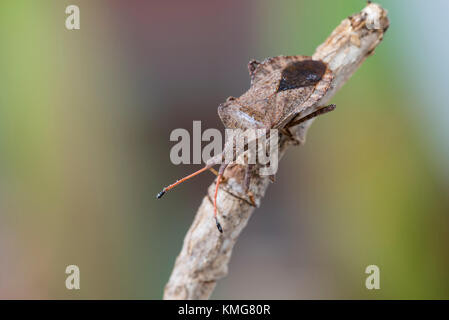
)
(215, 172)
(249, 170)
(220, 175)
(286, 131)
(247, 181)
(314, 114)
(166, 189)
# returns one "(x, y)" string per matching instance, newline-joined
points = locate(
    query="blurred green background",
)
(85, 119)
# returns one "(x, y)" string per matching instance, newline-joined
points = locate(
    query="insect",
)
(283, 92)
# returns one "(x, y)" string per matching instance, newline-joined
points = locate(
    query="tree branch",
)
(206, 253)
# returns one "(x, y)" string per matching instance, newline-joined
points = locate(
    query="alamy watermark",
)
(251, 146)
(72, 22)
(73, 279)
(373, 280)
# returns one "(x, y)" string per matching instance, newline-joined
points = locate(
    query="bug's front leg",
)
(223, 167)
(215, 172)
(249, 171)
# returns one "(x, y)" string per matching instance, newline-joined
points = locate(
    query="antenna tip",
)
(160, 194)
(218, 225)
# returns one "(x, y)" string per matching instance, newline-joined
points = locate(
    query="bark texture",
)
(205, 254)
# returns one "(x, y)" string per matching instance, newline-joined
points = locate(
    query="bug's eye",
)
(301, 74)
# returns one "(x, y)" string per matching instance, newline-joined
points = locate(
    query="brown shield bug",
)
(283, 91)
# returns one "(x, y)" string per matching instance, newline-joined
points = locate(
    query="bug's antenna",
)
(166, 189)
(219, 178)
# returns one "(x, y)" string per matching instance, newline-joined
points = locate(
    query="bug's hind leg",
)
(286, 131)
(314, 114)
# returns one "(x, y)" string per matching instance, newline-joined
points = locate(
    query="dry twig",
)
(205, 253)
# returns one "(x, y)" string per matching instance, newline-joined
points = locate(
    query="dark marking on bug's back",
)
(301, 74)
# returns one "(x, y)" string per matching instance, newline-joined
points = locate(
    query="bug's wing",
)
(258, 106)
(253, 108)
(300, 89)
(288, 84)
(281, 88)
(261, 70)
